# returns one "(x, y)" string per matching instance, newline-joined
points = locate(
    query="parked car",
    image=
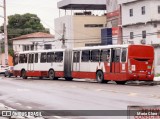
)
(3, 68)
(9, 72)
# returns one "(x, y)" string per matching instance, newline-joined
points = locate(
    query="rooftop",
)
(82, 4)
(126, 1)
(34, 35)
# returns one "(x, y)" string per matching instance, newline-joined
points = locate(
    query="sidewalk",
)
(156, 78)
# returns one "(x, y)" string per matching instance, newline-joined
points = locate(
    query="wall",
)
(76, 34)
(157, 61)
(18, 44)
(137, 29)
(150, 15)
(87, 35)
(2, 60)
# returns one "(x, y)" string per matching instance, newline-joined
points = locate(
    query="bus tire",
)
(51, 74)
(100, 77)
(121, 82)
(68, 78)
(41, 77)
(23, 74)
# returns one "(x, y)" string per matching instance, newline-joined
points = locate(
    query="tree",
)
(23, 24)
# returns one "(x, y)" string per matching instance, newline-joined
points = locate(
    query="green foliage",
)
(20, 25)
(157, 75)
(23, 24)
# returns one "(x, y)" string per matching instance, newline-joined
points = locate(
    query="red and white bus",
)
(118, 63)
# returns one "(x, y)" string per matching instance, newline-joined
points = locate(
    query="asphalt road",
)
(35, 94)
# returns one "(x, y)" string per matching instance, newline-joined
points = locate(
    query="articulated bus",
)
(118, 63)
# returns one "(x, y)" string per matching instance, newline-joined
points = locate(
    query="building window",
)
(93, 25)
(131, 12)
(131, 35)
(143, 10)
(143, 34)
(32, 47)
(158, 9)
(24, 47)
(47, 46)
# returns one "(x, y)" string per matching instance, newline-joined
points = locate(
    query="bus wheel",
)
(100, 77)
(68, 78)
(121, 82)
(41, 77)
(51, 75)
(23, 74)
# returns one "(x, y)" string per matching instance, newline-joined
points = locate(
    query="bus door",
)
(115, 60)
(31, 62)
(76, 61)
(106, 58)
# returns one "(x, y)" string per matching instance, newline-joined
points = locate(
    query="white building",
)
(81, 27)
(33, 41)
(141, 21)
(141, 24)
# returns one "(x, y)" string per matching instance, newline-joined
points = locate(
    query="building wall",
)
(18, 44)
(87, 35)
(112, 5)
(152, 36)
(68, 34)
(2, 60)
(151, 12)
(76, 33)
(157, 60)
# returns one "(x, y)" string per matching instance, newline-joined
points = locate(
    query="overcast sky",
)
(46, 10)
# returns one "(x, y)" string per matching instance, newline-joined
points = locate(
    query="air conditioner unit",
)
(143, 41)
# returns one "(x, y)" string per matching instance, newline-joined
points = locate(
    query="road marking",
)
(58, 117)
(18, 103)
(23, 90)
(99, 89)
(9, 101)
(28, 107)
(132, 94)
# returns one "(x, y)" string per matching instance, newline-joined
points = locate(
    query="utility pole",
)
(63, 37)
(5, 33)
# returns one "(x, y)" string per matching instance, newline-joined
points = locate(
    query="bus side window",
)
(43, 58)
(116, 55)
(22, 58)
(124, 54)
(50, 57)
(76, 56)
(95, 55)
(85, 56)
(36, 58)
(105, 55)
(31, 58)
(25, 58)
(58, 56)
(15, 59)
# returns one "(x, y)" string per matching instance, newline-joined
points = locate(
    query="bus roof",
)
(84, 48)
(101, 47)
(39, 51)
